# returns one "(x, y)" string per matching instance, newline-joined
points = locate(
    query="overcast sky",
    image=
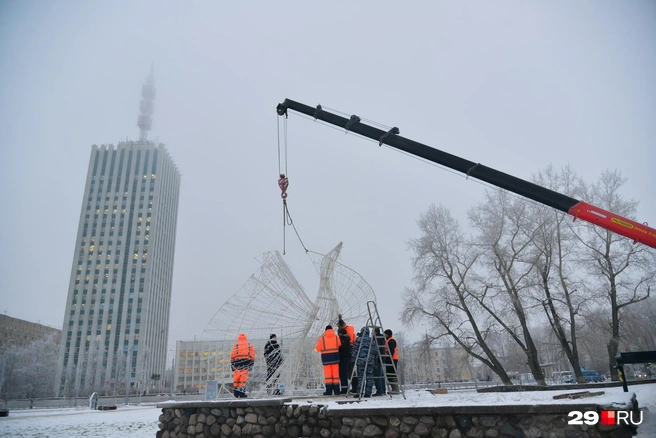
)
(513, 85)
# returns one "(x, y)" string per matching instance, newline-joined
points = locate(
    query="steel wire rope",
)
(423, 160)
(283, 182)
(373, 122)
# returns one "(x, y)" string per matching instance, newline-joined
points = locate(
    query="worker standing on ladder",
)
(379, 370)
(328, 345)
(365, 356)
(392, 368)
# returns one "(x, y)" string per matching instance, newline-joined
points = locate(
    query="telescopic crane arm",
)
(577, 208)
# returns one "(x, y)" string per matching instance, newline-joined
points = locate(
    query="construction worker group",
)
(374, 363)
(366, 360)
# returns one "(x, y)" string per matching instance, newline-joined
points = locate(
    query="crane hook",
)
(283, 183)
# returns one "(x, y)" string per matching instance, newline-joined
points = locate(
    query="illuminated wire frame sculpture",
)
(272, 301)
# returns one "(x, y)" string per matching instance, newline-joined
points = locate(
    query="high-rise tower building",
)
(119, 297)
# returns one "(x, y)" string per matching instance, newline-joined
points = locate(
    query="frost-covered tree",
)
(8, 382)
(560, 291)
(506, 234)
(28, 370)
(639, 325)
(620, 271)
(443, 265)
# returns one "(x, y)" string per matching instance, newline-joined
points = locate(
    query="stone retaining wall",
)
(286, 419)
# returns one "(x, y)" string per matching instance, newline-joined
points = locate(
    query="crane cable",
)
(283, 183)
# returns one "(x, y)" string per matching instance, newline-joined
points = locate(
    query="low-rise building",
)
(196, 362)
(16, 332)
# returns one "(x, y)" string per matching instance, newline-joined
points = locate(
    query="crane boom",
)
(577, 208)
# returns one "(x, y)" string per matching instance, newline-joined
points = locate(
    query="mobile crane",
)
(579, 209)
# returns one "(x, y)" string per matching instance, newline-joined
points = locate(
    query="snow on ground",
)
(128, 422)
(141, 421)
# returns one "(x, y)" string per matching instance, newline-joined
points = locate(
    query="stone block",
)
(475, 432)
(392, 433)
(226, 430)
(371, 431)
(422, 429)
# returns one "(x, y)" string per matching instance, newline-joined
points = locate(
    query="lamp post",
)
(127, 378)
(429, 360)
(128, 374)
(172, 373)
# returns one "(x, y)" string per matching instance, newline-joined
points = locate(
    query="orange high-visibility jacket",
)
(350, 331)
(395, 354)
(328, 345)
(243, 353)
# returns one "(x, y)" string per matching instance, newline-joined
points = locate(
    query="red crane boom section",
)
(613, 222)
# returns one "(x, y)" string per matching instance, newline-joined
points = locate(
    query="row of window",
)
(197, 370)
(69, 334)
(103, 300)
(112, 225)
(101, 178)
(100, 311)
(99, 190)
(115, 203)
(87, 217)
(106, 274)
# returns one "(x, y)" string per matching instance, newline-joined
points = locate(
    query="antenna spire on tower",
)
(145, 121)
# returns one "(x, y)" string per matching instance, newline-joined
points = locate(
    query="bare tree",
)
(559, 290)
(621, 269)
(9, 363)
(443, 261)
(28, 369)
(639, 325)
(40, 358)
(94, 364)
(507, 234)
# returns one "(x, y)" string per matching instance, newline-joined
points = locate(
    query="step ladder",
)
(378, 342)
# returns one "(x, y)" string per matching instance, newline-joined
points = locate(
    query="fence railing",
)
(452, 385)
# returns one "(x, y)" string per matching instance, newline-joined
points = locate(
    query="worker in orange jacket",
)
(392, 366)
(328, 345)
(242, 360)
(350, 331)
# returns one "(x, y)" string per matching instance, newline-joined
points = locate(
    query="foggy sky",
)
(513, 85)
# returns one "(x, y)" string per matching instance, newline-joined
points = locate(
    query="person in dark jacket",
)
(273, 358)
(350, 331)
(344, 359)
(365, 356)
(379, 371)
(393, 364)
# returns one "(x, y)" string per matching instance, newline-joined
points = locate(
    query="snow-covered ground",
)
(141, 421)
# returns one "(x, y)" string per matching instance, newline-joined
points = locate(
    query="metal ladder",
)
(388, 366)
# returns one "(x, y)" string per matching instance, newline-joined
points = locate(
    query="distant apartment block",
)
(421, 364)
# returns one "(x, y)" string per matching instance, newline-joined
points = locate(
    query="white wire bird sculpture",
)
(273, 301)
